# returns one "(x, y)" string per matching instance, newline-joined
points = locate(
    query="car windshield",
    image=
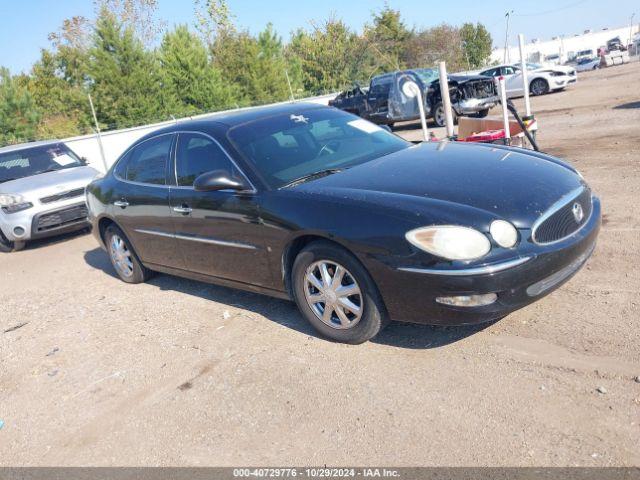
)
(427, 75)
(288, 147)
(35, 160)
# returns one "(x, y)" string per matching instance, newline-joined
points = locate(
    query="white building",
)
(564, 47)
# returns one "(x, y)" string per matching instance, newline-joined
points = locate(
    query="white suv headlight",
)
(7, 199)
(450, 241)
(11, 203)
(504, 233)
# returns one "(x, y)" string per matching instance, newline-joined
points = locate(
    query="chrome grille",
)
(559, 222)
(78, 192)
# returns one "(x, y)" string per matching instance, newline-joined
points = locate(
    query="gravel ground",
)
(175, 372)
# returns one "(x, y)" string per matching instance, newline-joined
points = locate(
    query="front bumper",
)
(36, 223)
(474, 105)
(410, 292)
(562, 82)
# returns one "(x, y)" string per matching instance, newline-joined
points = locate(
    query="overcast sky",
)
(26, 23)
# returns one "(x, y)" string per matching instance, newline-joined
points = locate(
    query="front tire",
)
(482, 113)
(123, 258)
(439, 116)
(539, 87)
(7, 246)
(336, 294)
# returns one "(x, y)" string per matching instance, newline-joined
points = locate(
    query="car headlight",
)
(11, 203)
(504, 233)
(450, 241)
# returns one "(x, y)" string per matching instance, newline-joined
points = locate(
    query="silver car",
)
(41, 192)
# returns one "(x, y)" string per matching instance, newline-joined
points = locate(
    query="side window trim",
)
(124, 156)
(222, 149)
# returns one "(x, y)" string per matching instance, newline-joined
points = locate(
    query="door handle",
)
(121, 203)
(183, 210)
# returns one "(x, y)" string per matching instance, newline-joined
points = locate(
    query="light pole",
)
(631, 29)
(506, 38)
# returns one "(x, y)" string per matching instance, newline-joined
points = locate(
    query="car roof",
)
(236, 117)
(24, 146)
(503, 65)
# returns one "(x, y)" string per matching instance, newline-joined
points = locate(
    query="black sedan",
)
(355, 224)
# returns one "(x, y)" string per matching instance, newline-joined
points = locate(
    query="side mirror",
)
(84, 161)
(218, 180)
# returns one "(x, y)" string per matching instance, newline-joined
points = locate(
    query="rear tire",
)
(347, 307)
(123, 258)
(482, 113)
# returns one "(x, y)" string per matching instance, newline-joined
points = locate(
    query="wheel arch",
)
(104, 223)
(295, 246)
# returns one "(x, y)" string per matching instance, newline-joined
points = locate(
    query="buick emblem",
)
(578, 213)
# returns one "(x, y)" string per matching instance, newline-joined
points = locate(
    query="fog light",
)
(468, 300)
(504, 233)
(18, 231)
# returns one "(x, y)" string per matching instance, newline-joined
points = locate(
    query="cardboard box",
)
(468, 126)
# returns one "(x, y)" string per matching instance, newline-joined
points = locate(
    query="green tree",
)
(213, 19)
(256, 66)
(189, 76)
(330, 57)
(476, 44)
(126, 82)
(386, 40)
(18, 114)
(137, 15)
(70, 49)
(62, 105)
(272, 68)
(435, 44)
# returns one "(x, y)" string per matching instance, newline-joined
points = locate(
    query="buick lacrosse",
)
(356, 225)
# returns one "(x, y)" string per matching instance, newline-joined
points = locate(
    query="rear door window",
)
(147, 162)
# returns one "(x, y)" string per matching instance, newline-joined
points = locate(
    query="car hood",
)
(565, 69)
(50, 183)
(509, 183)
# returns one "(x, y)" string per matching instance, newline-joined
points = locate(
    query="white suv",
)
(41, 192)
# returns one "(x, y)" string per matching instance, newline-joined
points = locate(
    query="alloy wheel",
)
(121, 256)
(440, 117)
(333, 294)
(538, 87)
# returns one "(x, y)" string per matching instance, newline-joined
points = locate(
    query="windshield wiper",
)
(313, 176)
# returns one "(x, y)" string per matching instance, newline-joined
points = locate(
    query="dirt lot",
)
(175, 372)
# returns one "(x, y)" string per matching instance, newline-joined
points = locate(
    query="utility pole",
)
(506, 38)
(631, 29)
(98, 135)
(286, 74)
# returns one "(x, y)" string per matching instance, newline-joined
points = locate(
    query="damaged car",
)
(384, 102)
